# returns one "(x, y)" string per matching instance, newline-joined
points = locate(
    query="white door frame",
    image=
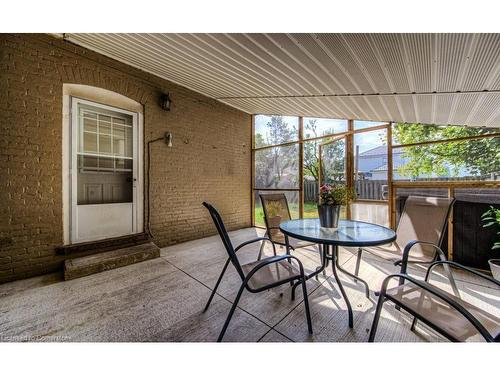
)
(119, 104)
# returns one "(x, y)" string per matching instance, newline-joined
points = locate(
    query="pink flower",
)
(325, 188)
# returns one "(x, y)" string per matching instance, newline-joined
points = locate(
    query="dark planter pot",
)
(329, 215)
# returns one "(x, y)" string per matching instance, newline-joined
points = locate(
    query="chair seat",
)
(270, 274)
(442, 315)
(392, 252)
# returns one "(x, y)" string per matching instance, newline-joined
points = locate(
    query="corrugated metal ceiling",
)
(426, 78)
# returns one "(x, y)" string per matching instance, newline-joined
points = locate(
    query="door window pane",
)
(104, 118)
(128, 141)
(87, 162)
(106, 163)
(122, 140)
(89, 142)
(89, 125)
(125, 164)
(104, 144)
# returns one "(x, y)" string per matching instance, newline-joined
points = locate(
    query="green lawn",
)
(310, 210)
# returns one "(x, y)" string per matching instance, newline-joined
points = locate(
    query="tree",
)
(333, 155)
(478, 157)
(333, 162)
(283, 157)
(271, 164)
(311, 157)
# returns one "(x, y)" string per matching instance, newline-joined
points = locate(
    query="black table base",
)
(349, 233)
(331, 253)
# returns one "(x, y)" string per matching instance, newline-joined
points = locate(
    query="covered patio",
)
(251, 188)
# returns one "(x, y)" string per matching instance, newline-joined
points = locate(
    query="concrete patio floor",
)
(162, 300)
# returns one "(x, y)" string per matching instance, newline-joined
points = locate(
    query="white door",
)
(104, 171)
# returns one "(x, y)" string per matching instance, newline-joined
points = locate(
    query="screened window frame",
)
(393, 185)
(348, 134)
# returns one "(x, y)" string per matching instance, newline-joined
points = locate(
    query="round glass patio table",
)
(350, 233)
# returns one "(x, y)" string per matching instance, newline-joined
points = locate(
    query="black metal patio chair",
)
(450, 315)
(259, 275)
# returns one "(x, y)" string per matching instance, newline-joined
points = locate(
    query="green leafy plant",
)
(492, 217)
(337, 194)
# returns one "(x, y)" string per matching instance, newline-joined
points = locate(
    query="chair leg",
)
(404, 268)
(231, 312)
(324, 269)
(447, 270)
(263, 244)
(306, 305)
(216, 285)
(293, 291)
(287, 246)
(358, 262)
(413, 324)
(376, 318)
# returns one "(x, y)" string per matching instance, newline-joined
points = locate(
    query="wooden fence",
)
(378, 189)
(365, 189)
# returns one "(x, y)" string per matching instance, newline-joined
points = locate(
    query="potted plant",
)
(331, 197)
(492, 217)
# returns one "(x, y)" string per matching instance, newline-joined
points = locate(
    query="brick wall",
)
(210, 160)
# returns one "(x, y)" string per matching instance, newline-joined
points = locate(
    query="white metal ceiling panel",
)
(427, 78)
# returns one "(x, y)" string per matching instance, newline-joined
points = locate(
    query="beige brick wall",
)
(210, 160)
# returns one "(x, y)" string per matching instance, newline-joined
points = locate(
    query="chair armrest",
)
(467, 269)
(252, 241)
(409, 246)
(438, 293)
(271, 260)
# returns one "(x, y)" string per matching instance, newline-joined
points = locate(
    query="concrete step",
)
(87, 248)
(95, 263)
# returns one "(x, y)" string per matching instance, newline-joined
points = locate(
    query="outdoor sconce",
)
(168, 139)
(165, 102)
